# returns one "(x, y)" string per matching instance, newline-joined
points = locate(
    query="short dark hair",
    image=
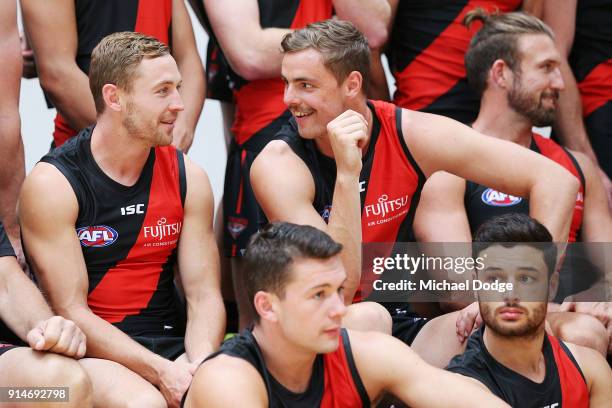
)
(116, 58)
(271, 252)
(497, 39)
(513, 229)
(343, 47)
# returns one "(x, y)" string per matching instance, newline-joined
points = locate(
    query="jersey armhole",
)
(572, 358)
(400, 134)
(578, 169)
(182, 176)
(74, 184)
(365, 399)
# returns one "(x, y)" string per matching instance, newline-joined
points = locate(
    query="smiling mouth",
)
(298, 114)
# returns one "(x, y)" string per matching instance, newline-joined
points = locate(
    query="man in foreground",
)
(297, 354)
(512, 355)
(123, 208)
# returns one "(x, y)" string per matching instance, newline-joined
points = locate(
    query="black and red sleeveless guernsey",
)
(426, 55)
(564, 385)
(591, 62)
(128, 235)
(95, 19)
(260, 112)
(483, 203)
(390, 181)
(335, 382)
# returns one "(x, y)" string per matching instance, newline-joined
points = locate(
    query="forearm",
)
(205, 325)
(193, 90)
(569, 124)
(107, 342)
(12, 172)
(68, 89)
(345, 227)
(262, 58)
(371, 17)
(552, 203)
(15, 290)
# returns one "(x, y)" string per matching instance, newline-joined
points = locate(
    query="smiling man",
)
(511, 354)
(355, 168)
(122, 207)
(297, 354)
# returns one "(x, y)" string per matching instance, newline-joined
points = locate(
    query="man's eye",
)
(306, 86)
(319, 295)
(526, 279)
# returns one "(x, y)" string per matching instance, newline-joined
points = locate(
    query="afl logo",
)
(497, 199)
(97, 236)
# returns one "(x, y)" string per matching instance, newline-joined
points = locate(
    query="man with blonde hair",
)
(123, 207)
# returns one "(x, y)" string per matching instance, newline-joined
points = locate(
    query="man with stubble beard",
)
(512, 355)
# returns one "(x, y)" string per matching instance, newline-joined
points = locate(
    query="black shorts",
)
(242, 216)
(169, 347)
(406, 324)
(4, 347)
(599, 128)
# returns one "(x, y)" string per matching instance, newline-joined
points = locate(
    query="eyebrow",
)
(521, 268)
(167, 82)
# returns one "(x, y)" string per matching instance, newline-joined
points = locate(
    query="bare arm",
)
(26, 313)
(188, 60)
(561, 17)
(288, 195)
(598, 375)
(551, 189)
(373, 19)
(216, 381)
(21, 304)
(12, 170)
(386, 364)
(198, 259)
(55, 53)
(49, 234)
(252, 51)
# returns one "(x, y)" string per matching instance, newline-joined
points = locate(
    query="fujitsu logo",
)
(162, 230)
(386, 206)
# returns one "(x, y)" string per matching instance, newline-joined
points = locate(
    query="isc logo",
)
(132, 209)
(97, 236)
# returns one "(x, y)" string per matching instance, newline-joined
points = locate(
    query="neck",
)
(323, 143)
(521, 354)
(499, 120)
(289, 365)
(117, 153)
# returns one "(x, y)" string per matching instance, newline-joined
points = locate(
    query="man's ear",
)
(500, 74)
(110, 94)
(265, 306)
(353, 84)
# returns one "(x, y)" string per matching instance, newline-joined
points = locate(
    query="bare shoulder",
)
(586, 164)
(216, 381)
(278, 161)
(592, 364)
(196, 175)
(45, 180)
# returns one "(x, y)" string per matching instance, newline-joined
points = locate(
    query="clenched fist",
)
(348, 135)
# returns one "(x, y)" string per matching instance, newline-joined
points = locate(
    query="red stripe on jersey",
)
(153, 18)
(391, 187)
(440, 66)
(574, 392)
(62, 131)
(339, 386)
(127, 288)
(557, 154)
(596, 88)
(260, 102)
